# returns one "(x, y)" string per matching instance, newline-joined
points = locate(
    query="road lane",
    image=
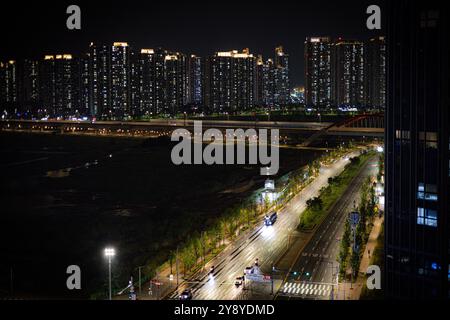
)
(318, 262)
(264, 243)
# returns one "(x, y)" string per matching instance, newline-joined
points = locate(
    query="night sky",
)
(34, 29)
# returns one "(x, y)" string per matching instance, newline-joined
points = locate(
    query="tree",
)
(354, 262)
(267, 202)
(315, 203)
(172, 257)
(204, 245)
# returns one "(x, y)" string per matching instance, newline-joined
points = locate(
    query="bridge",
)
(370, 125)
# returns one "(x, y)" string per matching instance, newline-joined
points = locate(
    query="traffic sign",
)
(354, 219)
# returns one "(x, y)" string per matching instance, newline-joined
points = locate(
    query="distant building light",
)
(235, 54)
(171, 57)
(147, 51)
(120, 44)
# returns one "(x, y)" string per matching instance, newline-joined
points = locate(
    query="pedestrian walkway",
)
(306, 290)
(348, 291)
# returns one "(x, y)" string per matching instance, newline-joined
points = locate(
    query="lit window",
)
(430, 139)
(427, 217)
(428, 192)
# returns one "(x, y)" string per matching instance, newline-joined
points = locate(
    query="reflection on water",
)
(61, 173)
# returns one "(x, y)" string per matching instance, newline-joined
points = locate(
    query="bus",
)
(270, 219)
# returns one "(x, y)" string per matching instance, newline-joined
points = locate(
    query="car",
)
(239, 281)
(211, 272)
(257, 262)
(269, 220)
(248, 270)
(186, 295)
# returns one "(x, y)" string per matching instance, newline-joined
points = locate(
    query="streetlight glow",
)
(110, 252)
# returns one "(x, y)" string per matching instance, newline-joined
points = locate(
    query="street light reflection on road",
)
(268, 233)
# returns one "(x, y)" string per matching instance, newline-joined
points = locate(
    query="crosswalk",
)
(302, 289)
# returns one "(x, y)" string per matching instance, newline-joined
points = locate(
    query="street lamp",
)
(110, 253)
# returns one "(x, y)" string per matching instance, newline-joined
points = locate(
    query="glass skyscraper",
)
(417, 152)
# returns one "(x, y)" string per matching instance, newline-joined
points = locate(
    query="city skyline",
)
(226, 151)
(193, 28)
(117, 80)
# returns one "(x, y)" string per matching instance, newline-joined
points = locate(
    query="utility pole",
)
(271, 279)
(109, 272)
(140, 286)
(11, 280)
(176, 264)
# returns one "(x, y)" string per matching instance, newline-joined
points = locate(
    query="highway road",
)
(264, 243)
(317, 265)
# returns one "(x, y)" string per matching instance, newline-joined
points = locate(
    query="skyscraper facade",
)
(232, 81)
(58, 82)
(347, 69)
(318, 71)
(195, 80)
(272, 84)
(159, 81)
(176, 83)
(143, 82)
(29, 86)
(8, 85)
(84, 93)
(375, 73)
(417, 225)
(100, 79)
(120, 81)
(282, 85)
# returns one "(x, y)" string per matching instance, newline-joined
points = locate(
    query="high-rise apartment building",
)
(232, 81)
(120, 81)
(195, 80)
(176, 83)
(8, 86)
(375, 73)
(282, 84)
(84, 88)
(29, 96)
(347, 67)
(160, 80)
(58, 82)
(318, 71)
(142, 80)
(100, 79)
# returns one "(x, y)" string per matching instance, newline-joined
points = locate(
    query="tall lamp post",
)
(109, 253)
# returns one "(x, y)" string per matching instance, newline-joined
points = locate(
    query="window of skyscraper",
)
(427, 217)
(427, 192)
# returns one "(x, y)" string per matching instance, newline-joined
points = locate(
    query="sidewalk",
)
(347, 291)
